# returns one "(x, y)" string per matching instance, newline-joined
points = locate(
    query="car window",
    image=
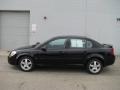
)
(77, 43)
(89, 44)
(56, 44)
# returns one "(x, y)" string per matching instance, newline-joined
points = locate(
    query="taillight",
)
(113, 51)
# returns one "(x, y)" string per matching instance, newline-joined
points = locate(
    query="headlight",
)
(12, 53)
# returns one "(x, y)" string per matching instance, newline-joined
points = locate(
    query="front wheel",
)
(26, 64)
(94, 66)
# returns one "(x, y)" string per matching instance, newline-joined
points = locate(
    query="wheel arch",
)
(98, 56)
(23, 55)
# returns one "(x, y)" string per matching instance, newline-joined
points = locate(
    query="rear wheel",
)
(26, 64)
(94, 66)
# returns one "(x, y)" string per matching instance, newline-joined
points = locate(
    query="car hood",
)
(28, 47)
(25, 47)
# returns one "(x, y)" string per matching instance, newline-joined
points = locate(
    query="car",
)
(64, 50)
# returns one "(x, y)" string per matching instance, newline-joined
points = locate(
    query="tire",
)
(26, 64)
(94, 66)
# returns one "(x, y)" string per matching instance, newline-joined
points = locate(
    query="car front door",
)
(55, 51)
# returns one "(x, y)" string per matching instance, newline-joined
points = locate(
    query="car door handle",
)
(62, 52)
(84, 52)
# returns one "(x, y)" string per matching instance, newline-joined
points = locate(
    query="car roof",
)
(72, 36)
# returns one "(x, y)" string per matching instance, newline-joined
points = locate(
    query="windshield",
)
(37, 44)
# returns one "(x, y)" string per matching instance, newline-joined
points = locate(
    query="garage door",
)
(14, 29)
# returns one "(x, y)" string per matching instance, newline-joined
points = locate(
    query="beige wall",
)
(92, 18)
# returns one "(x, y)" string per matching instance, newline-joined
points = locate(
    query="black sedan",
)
(64, 50)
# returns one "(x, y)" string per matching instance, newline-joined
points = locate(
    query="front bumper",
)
(12, 60)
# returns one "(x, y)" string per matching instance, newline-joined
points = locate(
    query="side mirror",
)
(43, 49)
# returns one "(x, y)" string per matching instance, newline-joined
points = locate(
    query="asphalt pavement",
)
(58, 78)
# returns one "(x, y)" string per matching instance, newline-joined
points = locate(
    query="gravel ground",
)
(58, 78)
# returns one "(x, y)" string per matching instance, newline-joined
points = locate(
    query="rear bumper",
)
(110, 60)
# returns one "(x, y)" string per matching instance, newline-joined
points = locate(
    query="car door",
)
(55, 51)
(76, 51)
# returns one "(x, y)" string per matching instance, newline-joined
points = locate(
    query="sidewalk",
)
(4, 53)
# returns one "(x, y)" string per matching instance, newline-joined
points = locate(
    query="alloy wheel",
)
(26, 64)
(95, 66)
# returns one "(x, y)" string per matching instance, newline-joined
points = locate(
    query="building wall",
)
(96, 19)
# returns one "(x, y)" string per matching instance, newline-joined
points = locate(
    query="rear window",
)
(89, 44)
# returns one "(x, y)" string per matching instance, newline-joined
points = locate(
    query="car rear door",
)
(76, 51)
